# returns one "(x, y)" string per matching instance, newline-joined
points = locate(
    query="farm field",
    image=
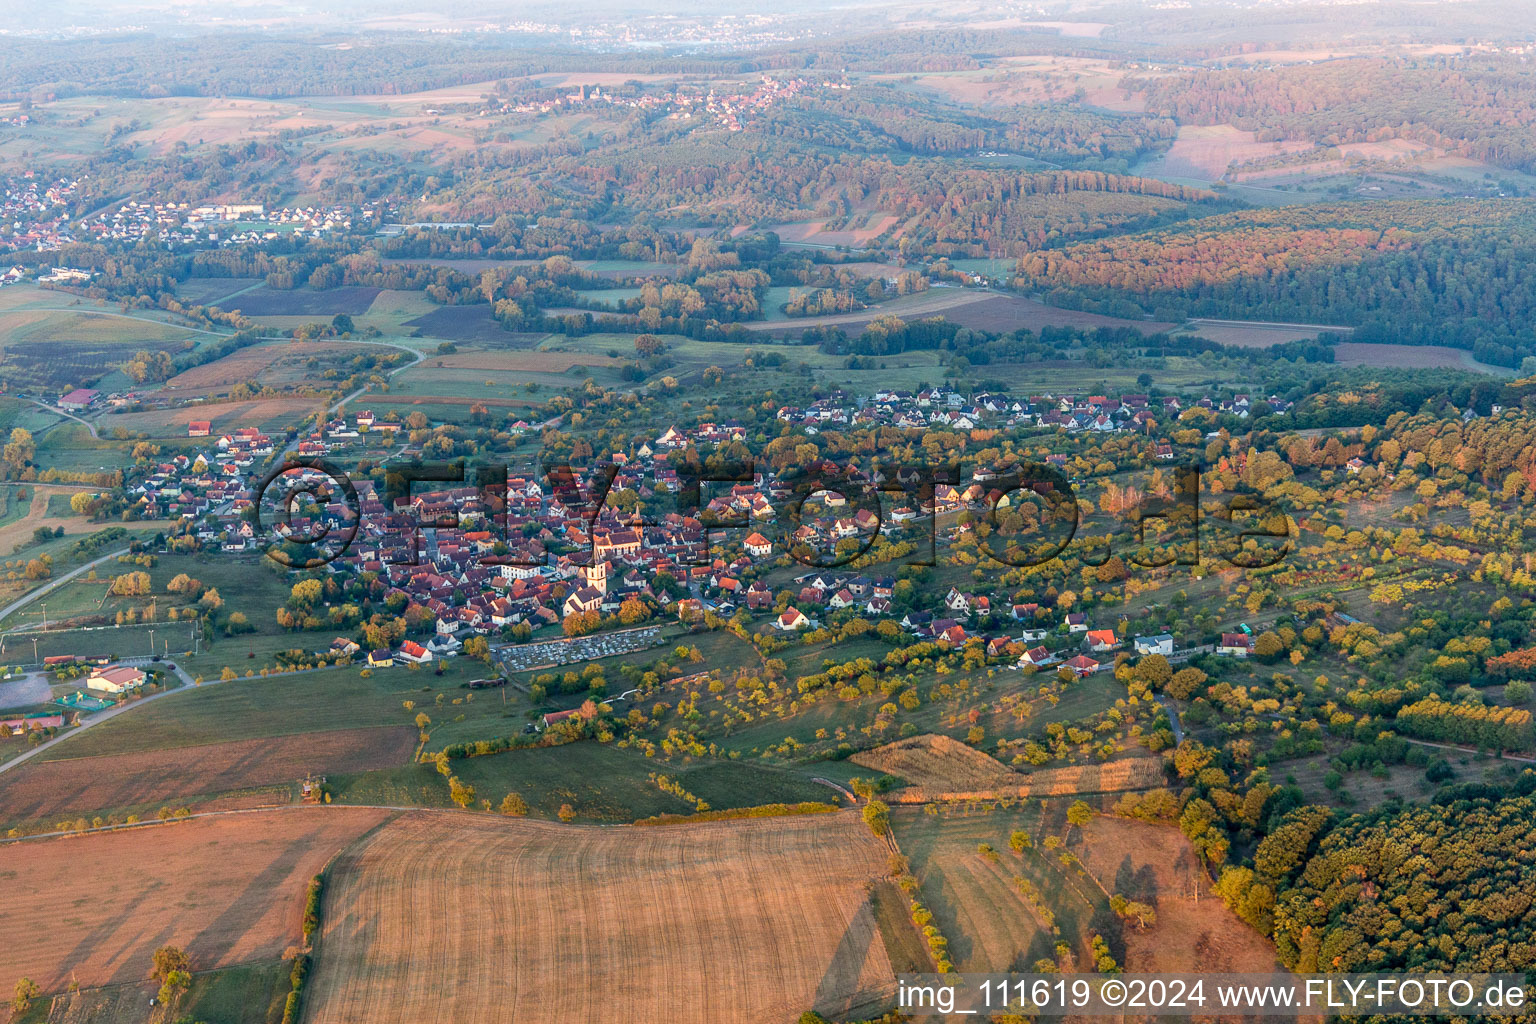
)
(468, 323)
(754, 920)
(937, 763)
(273, 364)
(975, 308)
(42, 790)
(265, 413)
(1206, 151)
(928, 303)
(228, 889)
(450, 383)
(22, 518)
(515, 361)
(208, 291)
(1260, 335)
(1359, 353)
(265, 301)
(975, 901)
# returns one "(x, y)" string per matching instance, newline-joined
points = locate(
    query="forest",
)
(1419, 272)
(1482, 107)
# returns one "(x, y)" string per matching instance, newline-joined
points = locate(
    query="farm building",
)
(199, 428)
(79, 399)
(116, 680)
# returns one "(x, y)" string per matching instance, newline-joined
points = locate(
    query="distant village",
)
(224, 224)
(727, 109)
(947, 408)
(34, 213)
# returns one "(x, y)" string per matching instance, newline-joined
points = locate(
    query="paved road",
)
(52, 585)
(1173, 718)
(87, 722)
(337, 405)
(68, 415)
(1471, 750)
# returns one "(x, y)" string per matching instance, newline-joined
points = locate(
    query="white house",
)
(792, 619)
(1162, 644)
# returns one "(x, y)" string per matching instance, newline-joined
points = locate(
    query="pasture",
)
(228, 889)
(755, 920)
(302, 704)
(599, 782)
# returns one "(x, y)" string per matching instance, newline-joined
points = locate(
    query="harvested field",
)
(46, 789)
(1206, 151)
(351, 299)
(1259, 335)
(227, 889)
(470, 323)
(865, 225)
(1364, 353)
(1114, 777)
(204, 291)
(937, 763)
(980, 310)
(977, 902)
(1194, 930)
(1011, 312)
(930, 303)
(746, 921)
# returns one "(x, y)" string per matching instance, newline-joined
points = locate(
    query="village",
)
(34, 212)
(727, 110)
(225, 224)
